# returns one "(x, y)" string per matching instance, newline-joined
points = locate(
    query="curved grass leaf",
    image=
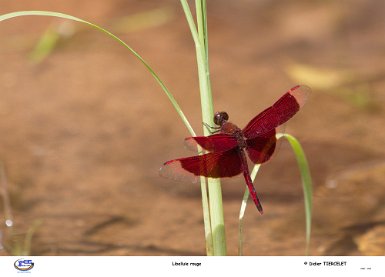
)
(307, 184)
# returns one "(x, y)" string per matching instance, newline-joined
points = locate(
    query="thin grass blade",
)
(307, 183)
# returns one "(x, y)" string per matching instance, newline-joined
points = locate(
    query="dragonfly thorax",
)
(232, 129)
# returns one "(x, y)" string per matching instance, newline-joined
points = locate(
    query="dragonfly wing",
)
(280, 112)
(214, 165)
(213, 143)
(261, 148)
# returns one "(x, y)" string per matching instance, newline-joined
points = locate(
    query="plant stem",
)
(214, 187)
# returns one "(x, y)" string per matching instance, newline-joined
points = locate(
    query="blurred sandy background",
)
(85, 128)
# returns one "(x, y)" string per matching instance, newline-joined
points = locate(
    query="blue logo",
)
(24, 264)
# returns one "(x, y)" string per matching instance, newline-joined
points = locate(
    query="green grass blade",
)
(203, 70)
(307, 183)
(214, 187)
(190, 21)
(243, 209)
(204, 190)
(203, 64)
(210, 249)
(202, 26)
(206, 218)
(152, 72)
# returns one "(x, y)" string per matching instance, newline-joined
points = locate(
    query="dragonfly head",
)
(220, 118)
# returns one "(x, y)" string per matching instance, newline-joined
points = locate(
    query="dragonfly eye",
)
(220, 117)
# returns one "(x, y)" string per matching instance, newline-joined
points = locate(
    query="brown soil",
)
(84, 132)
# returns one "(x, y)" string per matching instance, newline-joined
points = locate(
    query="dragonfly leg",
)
(211, 129)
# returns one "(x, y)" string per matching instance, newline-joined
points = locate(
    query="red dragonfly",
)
(227, 145)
